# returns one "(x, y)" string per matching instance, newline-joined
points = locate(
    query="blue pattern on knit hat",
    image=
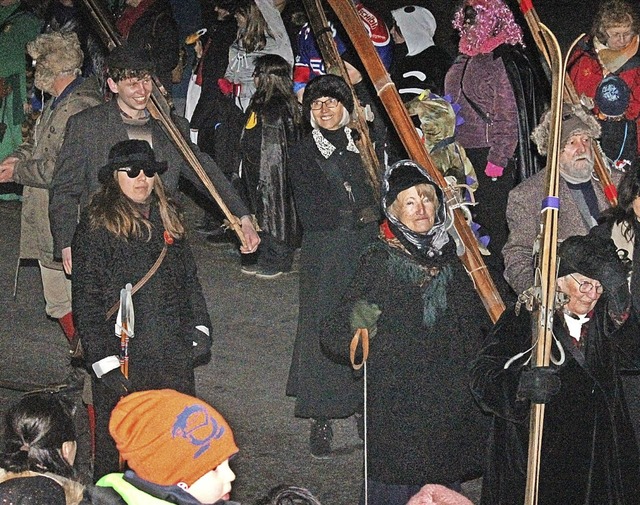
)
(196, 426)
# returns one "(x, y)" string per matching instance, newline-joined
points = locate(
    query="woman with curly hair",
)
(130, 226)
(605, 68)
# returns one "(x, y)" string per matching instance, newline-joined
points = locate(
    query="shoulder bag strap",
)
(483, 115)
(141, 282)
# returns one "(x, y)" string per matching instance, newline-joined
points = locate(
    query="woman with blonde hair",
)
(129, 228)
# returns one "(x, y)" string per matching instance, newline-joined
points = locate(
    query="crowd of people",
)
(272, 126)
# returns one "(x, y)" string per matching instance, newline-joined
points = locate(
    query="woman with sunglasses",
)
(338, 211)
(130, 225)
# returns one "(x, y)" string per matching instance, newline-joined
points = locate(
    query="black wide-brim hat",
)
(131, 153)
(588, 255)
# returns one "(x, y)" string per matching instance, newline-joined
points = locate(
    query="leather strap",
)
(361, 335)
(141, 282)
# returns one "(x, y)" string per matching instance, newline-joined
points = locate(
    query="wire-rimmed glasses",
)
(587, 287)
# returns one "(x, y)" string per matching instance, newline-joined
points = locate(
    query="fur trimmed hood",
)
(575, 119)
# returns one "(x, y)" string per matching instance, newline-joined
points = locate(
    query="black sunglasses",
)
(133, 172)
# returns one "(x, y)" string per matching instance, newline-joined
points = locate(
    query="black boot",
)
(320, 438)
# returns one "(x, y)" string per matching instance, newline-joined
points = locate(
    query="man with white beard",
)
(581, 195)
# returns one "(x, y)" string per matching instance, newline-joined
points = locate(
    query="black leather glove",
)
(117, 382)
(538, 384)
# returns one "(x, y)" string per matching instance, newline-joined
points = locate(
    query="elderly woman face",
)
(415, 207)
(137, 188)
(619, 36)
(583, 292)
(328, 112)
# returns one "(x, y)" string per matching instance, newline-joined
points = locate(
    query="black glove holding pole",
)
(538, 384)
(117, 382)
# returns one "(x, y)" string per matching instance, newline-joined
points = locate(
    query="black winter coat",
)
(423, 424)
(167, 309)
(589, 452)
(332, 241)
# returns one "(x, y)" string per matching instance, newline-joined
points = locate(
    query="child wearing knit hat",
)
(177, 449)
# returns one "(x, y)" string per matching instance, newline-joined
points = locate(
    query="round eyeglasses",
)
(587, 287)
(330, 103)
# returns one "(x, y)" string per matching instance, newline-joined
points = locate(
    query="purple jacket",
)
(485, 83)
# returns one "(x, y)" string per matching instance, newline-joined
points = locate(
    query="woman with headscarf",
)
(132, 232)
(605, 68)
(425, 324)
(337, 208)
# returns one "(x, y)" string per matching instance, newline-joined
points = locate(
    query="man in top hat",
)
(589, 454)
(91, 134)
(581, 195)
(58, 60)
(177, 449)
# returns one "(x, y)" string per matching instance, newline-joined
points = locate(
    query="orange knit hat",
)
(168, 437)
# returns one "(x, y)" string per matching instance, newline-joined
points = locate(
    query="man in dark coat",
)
(589, 454)
(91, 134)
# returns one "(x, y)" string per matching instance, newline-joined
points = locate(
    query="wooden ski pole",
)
(334, 64)
(160, 110)
(570, 96)
(396, 110)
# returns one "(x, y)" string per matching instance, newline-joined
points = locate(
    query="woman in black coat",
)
(338, 212)
(273, 124)
(425, 324)
(120, 236)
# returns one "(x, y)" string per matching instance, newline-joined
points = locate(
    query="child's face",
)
(213, 485)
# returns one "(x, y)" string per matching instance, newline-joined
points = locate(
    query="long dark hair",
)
(35, 430)
(274, 95)
(628, 191)
(111, 209)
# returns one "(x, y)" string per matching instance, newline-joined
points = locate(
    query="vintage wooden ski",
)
(546, 269)
(396, 110)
